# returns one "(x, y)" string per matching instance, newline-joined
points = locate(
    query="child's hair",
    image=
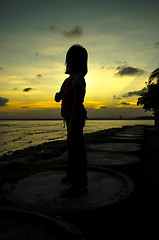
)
(76, 60)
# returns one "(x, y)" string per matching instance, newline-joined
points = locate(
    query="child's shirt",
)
(67, 91)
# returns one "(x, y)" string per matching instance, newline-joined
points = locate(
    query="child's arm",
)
(58, 96)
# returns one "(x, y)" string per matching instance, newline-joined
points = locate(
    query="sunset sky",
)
(122, 40)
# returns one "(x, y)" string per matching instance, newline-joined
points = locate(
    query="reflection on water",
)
(16, 135)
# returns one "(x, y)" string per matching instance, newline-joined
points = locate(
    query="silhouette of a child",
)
(72, 94)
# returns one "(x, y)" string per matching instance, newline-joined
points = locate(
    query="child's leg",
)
(71, 155)
(77, 163)
(77, 158)
(80, 159)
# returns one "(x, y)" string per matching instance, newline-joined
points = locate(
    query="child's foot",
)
(74, 191)
(66, 179)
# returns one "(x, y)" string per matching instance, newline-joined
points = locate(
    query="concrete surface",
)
(43, 190)
(16, 224)
(108, 159)
(115, 147)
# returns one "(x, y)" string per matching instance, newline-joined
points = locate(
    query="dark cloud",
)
(3, 101)
(103, 107)
(115, 97)
(157, 44)
(75, 32)
(39, 75)
(25, 107)
(43, 55)
(37, 54)
(1, 68)
(135, 93)
(121, 63)
(128, 71)
(53, 28)
(30, 80)
(35, 79)
(27, 89)
(124, 103)
(14, 89)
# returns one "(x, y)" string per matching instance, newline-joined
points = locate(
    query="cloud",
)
(3, 101)
(1, 68)
(37, 54)
(27, 89)
(135, 93)
(39, 75)
(124, 103)
(75, 32)
(53, 28)
(121, 62)
(128, 71)
(14, 89)
(43, 55)
(115, 97)
(25, 107)
(102, 107)
(34, 79)
(157, 44)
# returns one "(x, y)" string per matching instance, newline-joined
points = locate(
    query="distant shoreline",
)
(59, 119)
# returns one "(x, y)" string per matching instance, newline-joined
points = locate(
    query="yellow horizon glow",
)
(101, 86)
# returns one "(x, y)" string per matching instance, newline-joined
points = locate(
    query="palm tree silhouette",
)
(150, 99)
(154, 75)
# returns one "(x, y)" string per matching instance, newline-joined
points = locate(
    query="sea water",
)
(19, 134)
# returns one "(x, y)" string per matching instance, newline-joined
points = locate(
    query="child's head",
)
(76, 60)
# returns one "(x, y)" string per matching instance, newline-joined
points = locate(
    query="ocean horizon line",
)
(57, 119)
